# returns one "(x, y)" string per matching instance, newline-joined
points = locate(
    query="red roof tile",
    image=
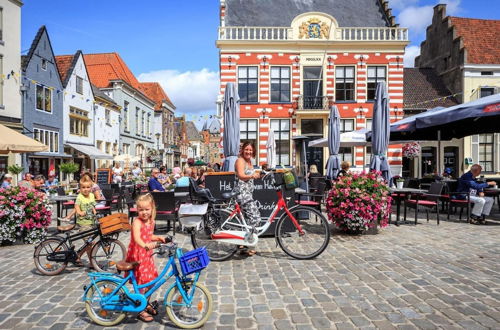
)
(481, 39)
(108, 66)
(63, 65)
(155, 92)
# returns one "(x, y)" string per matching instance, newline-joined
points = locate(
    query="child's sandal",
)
(145, 317)
(151, 310)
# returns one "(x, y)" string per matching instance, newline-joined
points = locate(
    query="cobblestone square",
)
(408, 277)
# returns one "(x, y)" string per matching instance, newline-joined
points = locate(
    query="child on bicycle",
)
(140, 249)
(85, 206)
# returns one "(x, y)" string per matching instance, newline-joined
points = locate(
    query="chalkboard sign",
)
(103, 176)
(264, 192)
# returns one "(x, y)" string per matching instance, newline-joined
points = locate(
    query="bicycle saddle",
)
(229, 195)
(66, 227)
(123, 265)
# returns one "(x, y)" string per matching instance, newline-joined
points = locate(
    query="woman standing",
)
(245, 186)
(117, 173)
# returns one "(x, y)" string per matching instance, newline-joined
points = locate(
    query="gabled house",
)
(78, 111)
(43, 95)
(163, 121)
(195, 141)
(109, 73)
(212, 141)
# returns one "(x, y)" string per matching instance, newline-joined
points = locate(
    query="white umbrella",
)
(271, 150)
(347, 139)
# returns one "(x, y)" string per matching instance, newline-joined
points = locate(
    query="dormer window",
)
(44, 64)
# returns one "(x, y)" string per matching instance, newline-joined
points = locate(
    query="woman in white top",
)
(117, 173)
(136, 171)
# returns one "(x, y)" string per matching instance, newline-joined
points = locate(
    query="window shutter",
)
(475, 149)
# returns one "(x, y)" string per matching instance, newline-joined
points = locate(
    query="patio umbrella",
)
(271, 150)
(381, 132)
(12, 141)
(199, 163)
(347, 139)
(231, 134)
(333, 163)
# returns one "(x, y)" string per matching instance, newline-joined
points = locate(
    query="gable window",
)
(43, 98)
(78, 122)
(44, 64)
(79, 85)
(247, 84)
(376, 74)
(280, 84)
(125, 116)
(107, 115)
(344, 83)
(248, 132)
(49, 138)
(281, 129)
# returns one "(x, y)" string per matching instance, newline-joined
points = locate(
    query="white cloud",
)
(410, 53)
(416, 18)
(452, 6)
(193, 92)
(400, 4)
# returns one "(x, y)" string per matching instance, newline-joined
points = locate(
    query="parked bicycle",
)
(188, 303)
(302, 232)
(54, 253)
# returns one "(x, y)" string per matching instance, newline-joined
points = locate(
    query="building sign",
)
(311, 59)
(314, 29)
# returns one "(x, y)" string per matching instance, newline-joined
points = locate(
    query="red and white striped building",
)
(292, 60)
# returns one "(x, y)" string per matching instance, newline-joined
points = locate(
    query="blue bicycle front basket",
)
(194, 261)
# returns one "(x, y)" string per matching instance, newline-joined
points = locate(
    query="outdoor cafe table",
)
(58, 200)
(401, 193)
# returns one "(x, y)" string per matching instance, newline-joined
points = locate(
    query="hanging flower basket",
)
(359, 202)
(25, 214)
(411, 150)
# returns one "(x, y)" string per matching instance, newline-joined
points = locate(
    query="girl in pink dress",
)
(142, 244)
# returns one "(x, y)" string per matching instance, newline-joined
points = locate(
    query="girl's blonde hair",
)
(313, 168)
(147, 198)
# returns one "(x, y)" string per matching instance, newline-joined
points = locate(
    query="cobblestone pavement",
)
(407, 277)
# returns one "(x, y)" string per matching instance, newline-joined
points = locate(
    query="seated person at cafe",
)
(184, 180)
(52, 182)
(7, 181)
(39, 183)
(468, 184)
(153, 183)
(27, 182)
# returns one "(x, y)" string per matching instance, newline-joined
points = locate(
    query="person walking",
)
(482, 204)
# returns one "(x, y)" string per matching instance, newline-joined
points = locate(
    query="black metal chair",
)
(66, 205)
(129, 201)
(460, 200)
(166, 209)
(428, 200)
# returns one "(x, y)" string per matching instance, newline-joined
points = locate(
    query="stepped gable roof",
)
(348, 13)
(100, 94)
(424, 89)
(65, 65)
(104, 67)
(192, 132)
(481, 39)
(155, 92)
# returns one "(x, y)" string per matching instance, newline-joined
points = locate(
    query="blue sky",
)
(173, 42)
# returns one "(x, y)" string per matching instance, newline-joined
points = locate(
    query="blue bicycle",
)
(188, 302)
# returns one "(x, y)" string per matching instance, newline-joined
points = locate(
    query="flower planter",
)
(399, 184)
(359, 203)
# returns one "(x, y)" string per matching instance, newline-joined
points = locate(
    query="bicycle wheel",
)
(217, 250)
(101, 316)
(189, 317)
(106, 253)
(49, 247)
(315, 237)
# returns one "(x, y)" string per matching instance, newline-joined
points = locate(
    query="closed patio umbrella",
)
(12, 141)
(333, 163)
(381, 132)
(271, 150)
(231, 134)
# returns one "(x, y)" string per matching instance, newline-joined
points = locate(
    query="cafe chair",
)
(316, 197)
(129, 201)
(462, 204)
(166, 209)
(427, 200)
(66, 205)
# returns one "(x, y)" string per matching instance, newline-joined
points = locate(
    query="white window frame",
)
(44, 103)
(49, 138)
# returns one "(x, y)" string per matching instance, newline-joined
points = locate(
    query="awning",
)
(90, 151)
(12, 141)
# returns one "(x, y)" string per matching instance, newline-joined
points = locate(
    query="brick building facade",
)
(291, 62)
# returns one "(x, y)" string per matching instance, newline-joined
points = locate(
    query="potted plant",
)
(15, 169)
(399, 181)
(359, 202)
(25, 213)
(68, 169)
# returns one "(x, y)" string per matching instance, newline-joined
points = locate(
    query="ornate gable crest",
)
(314, 29)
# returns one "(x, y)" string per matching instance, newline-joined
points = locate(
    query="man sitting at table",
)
(153, 183)
(468, 184)
(52, 182)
